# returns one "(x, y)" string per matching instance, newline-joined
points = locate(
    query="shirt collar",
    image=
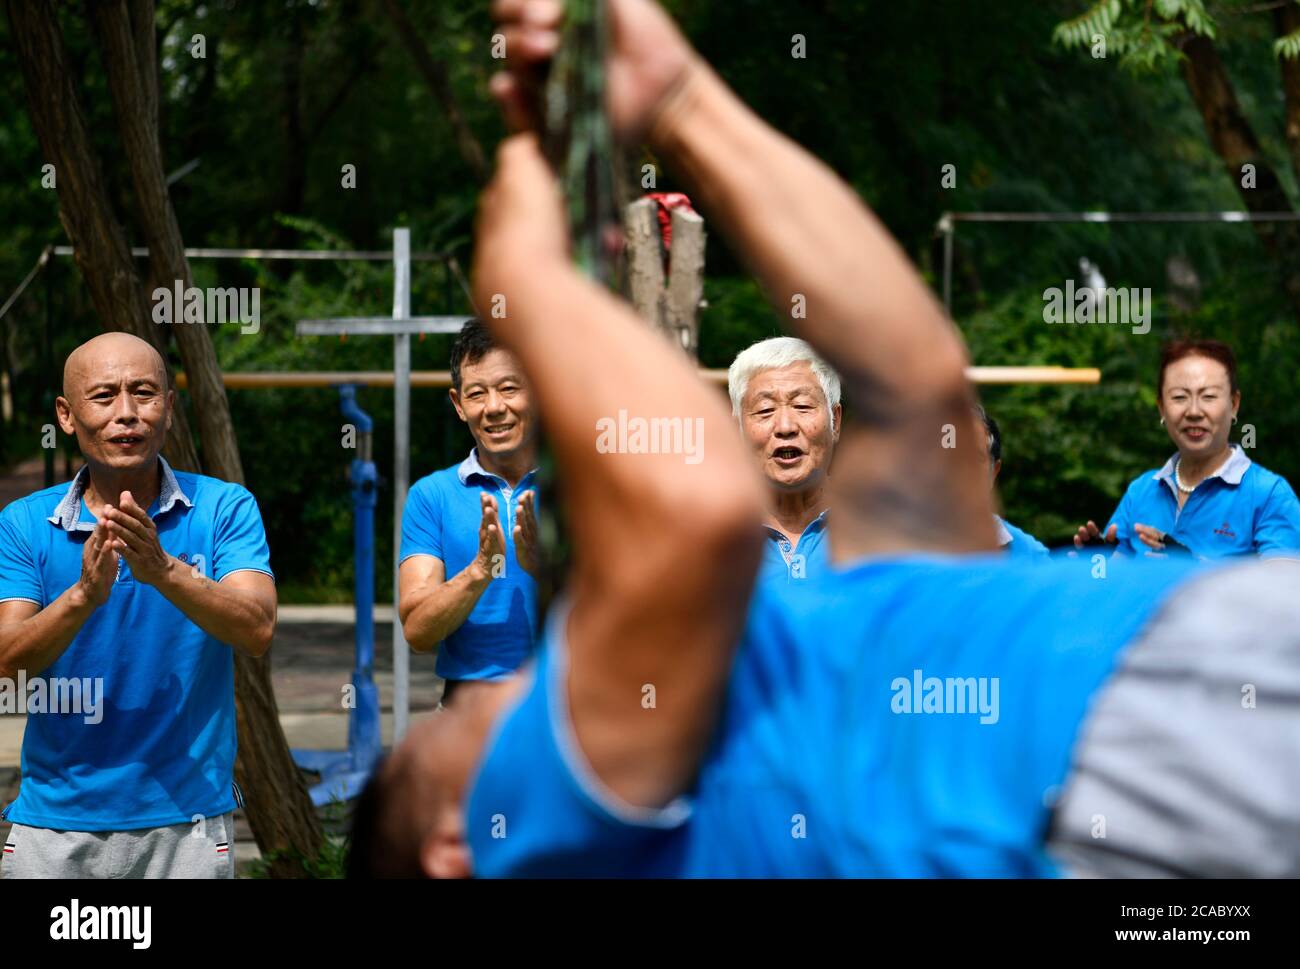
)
(470, 467)
(1231, 471)
(817, 523)
(1004, 536)
(68, 513)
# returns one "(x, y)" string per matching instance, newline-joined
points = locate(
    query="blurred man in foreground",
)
(932, 708)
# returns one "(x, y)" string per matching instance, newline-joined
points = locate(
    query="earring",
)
(1234, 418)
(1162, 422)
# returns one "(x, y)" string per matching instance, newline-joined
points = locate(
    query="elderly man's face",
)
(115, 400)
(788, 423)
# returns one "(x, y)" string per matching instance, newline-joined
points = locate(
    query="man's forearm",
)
(444, 608)
(34, 644)
(827, 263)
(230, 615)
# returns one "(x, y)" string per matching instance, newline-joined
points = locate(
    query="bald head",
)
(115, 400)
(111, 353)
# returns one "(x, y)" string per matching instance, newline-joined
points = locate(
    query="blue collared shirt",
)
(1018, 543)
(159, 748)
(442, 517)
(816, 769)
(1241, 509)
(807, 559)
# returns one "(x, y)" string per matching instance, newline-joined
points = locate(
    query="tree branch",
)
(435, 75)
(1236, 144)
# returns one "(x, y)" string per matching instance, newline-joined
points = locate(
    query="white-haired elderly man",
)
(787, 400)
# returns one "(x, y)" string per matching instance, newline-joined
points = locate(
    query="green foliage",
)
(1288, 47)
(1079, 31)
(332, 860)
(886, 96)
(1128, 28)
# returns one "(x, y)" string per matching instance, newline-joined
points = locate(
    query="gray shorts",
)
(202, 849)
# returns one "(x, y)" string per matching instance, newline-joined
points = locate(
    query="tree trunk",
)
(278, 807)
(1234, 141)
(293, 173)
(1286, 20)
(101, 250)
(670, 305)
(435, 75)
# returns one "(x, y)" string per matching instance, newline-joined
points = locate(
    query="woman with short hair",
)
(1209, 499)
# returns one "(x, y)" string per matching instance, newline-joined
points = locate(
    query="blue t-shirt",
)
(804, 561)
(1019, 543)
(442, 517)
(907, 716)
(1242, 509)
(159, 746)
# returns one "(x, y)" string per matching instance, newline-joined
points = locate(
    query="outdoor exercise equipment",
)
(344, 774)
(399, 326)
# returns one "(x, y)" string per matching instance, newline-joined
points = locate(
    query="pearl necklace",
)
(1178, 480)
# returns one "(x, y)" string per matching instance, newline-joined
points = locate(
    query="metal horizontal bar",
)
(354, 255)
(1033, 375)
(442, 378)
(380, 325)
(1103, 217)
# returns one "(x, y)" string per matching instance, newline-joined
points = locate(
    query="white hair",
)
(780, 351)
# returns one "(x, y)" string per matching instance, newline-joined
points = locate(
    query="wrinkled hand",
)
(98, 566)
(1090, 533)
(489, 563)
(528, 548)
(648, 59)
(136, 538)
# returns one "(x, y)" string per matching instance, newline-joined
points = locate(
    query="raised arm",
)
(831, 270)
(841, 281)
(665, 544)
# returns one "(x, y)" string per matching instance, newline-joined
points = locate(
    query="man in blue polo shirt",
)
(932, 707)
(787, 400)
(1013, 540)
(136, 581)
(469, 532)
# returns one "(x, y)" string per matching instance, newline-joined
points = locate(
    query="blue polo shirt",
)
(442, 517)
(836, 753)
(161, 747)
(1019, 543)
(808, 558)
(1241, 509)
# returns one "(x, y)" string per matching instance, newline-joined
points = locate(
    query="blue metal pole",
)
(364, 738)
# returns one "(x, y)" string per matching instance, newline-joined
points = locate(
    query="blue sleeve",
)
(19, 576)
(238, 538)
(1037, 550)
(1277, 530)
(536, 809)
(422, 522)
